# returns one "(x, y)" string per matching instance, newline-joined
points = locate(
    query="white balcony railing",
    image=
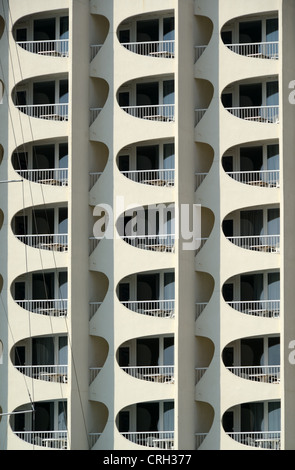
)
(199, 113)
(161, 49)
(52, 242)
(93, 438)
(93, 178)
(200, 437)
(265, 114)
(154, 308)
(258, 50)
(94, 112)
(199, 51)
(257, 308)
(200, 371)
(50, 439)
(93, 307)
(160, 374)
(161, 243)
(56, 373)
(54, 48)
(51, 112)
(200, 307)
(263, 439)
(152, 177)
(200, 178)
(93, 373)
(48, 307)
(266, 374)
(157, 439)
(159, 112)
(94, 49)
(52, 176)
(265, 243)
(261, 178)
(93, 242)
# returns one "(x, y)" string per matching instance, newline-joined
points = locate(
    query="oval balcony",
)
(149, 36)
(149, 294)
(51, 417)
(254, 100)
(254, 358)
(43, 227)
(148, 358)
(255, 424)
(155, 421)
(47, 35)
(43, 293)
(150, 100)
(256, 229)
(42, 358)
(255, 293)
(43, 162)
(43, 99)
(256, 164)
(253, 37)
(149, 228)
(151, 163)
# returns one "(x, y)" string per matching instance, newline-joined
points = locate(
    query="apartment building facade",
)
(146, 211)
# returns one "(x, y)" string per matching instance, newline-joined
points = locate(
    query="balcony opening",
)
(43, 36)
(254, 229)
(149, 100)
(253, 101)
(149, 293)
(150, 358)
(152, 37)
(256, 38)
(43, 163)
(46, 99)
(151, 228)
(256, 359)
(44, 293)
(256, 165)
(45, 228)
(255, 424)
(43, 358)
(152, 164)
(149, 424)
(255, 294)
(46, 427)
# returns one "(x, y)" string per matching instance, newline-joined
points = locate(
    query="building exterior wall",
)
(98, 325)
